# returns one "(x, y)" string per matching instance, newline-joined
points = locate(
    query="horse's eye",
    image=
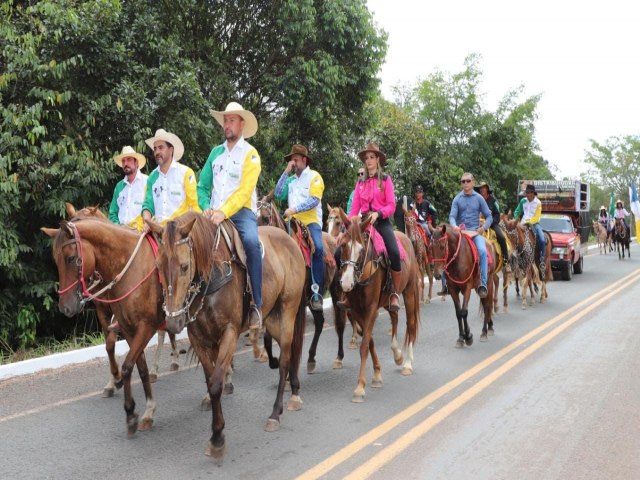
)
(184, 267)
(71, 259)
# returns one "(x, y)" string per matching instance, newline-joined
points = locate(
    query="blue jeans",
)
(317, 262)
(484, 261)
(426, 228)
(541, 240)
(247, 225)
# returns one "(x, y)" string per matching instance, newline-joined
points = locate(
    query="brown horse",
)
(603, 236)
(420, 241)
(501, 266)
(92, 254)
(528, 257)
(103, 312)
(364, 279)
(454, 256)
(621, 238)
(268, 215)
(206, 288)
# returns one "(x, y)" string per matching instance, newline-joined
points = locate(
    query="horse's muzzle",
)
(175, 324)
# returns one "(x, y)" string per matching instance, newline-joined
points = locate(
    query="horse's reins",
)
(448, 263)
(358, 271)
(85, 293)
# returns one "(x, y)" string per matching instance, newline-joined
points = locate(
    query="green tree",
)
(615, 164)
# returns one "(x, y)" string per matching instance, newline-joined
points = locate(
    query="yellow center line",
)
(368, 438)
(393, 450)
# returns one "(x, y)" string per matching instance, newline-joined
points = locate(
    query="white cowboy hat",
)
(172, 138)
(250, 122)
(130, 152)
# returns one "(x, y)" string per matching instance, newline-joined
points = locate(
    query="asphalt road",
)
(554, 394)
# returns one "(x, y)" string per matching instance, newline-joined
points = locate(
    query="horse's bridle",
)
(362, 261)
(447, 263)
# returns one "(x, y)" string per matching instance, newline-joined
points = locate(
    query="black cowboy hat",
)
(531, 189)
(483, 184)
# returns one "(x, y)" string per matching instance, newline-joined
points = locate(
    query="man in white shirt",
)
(128, 196)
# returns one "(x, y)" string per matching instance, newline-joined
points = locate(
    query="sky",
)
(582, 57)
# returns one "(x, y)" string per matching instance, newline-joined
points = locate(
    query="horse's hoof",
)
(119, 383)
(295, 403)
(376, 383)
(406, 371)
(491, 332)
(337, 364)
(274, 363)
(132, 425)
(217, 453)
(483, 337)
(108, 392)
(205, 405)
(353, 345)
(228, 388)
(153, 378)
(272, 425)
(174, 367)
(399, 360)
(459, 343)
(357, 398)
(469, 340)
(263, 358)
(146, 424)
(311, 367)
(427, 301)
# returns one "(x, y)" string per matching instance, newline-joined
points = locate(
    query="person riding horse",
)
(424, 210)
(622, 213)
(532, 210)
(465, 212)
(603, 219)
(303, 192)
(486, 192)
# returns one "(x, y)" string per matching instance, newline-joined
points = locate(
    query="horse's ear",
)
(71, 210)
(365, 224)
(186, 228)
(156, 228)
(65, 226)
(269, 196)
(344, 218)
(443, 229)
(52, 232)
(329, 207)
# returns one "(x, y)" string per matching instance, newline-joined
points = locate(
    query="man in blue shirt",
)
(465, 211)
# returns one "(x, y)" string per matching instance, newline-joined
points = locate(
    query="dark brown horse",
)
(91, 256)
(528, 258)
(205, 288)
(268, 215)
(621, 238)
(364, 279)
(420, 242)
(454, 256)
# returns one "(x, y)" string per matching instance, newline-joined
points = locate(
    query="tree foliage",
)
(80, 79)
(615, 164)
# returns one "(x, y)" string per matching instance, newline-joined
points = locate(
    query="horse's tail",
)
(411, 335)
(298, 334)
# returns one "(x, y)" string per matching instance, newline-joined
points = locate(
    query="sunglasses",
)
(360, 174)
(465, 180)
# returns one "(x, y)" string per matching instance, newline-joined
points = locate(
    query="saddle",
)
(303, 238)
(469, 237)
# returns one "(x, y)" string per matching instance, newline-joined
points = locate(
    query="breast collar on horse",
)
(213, 284)
(84, 292)
(448, 263)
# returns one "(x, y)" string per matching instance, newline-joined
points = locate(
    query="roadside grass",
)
(48, 346)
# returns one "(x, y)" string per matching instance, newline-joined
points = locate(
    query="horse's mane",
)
(203, 236)
(354, 231)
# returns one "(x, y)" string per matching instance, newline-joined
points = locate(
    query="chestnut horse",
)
(364, 279)
(268, 215)
(454, 256)
(206, 289)
(528, 257)
(420, 242)
(621, 238)
(92, 254)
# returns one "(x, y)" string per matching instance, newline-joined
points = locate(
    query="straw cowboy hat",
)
(620, 202)
(130, 152)
(250, 122)
(372, 147)
(172, 138)
(602, 207)
(484, 184)
(299, 150)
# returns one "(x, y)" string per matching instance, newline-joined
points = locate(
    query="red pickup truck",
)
(567, 250)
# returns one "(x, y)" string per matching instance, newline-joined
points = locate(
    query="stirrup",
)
(394, 307)
(255, 318)
(316, 303)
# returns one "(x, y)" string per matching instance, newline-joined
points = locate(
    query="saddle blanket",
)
(379, 246)
(474, 249)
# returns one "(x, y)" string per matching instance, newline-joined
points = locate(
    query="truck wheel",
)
(567, 272)
(577, 267)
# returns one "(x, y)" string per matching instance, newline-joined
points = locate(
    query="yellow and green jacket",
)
(303, 194)
(126, 204)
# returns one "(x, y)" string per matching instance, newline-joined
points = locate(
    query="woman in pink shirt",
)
(375, 197)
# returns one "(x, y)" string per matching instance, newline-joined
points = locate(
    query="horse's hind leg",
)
(153, 375)
(146, 422)
(397, 352)
(318, 321)
(376, 381)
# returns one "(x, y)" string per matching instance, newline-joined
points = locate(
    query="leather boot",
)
(394, 298)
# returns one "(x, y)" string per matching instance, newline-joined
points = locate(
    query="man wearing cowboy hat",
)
(227, 189)
(531, 211)
(486, 192)
(126, 205)
(171, 187)
(424, 210)
(303, 192)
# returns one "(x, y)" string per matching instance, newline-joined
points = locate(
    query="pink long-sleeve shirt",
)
(369, 198)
